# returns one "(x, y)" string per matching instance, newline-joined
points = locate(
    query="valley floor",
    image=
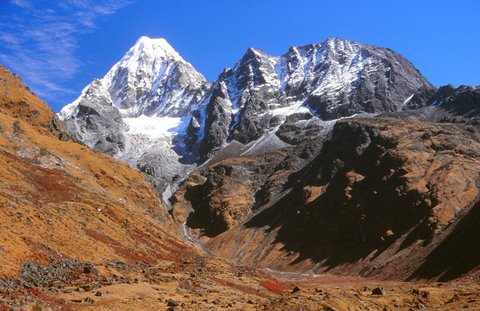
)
(203, 283)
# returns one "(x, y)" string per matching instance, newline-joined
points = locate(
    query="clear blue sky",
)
(58, 47)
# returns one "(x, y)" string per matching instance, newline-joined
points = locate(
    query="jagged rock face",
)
(445, 105)
(98, 123)
(462, 101)
(216, 127)
(377, 187)
(331, 80)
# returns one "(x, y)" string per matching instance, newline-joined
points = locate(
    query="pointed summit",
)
(150, 79)
(148, 40)
(254, 54)
(153, 46)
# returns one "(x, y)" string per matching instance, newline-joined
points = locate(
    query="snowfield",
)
(156, 127)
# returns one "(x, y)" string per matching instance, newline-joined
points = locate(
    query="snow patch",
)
(406, 102)
(294, 107)
(156, 127)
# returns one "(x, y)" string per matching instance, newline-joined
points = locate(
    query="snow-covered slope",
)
(155, 111)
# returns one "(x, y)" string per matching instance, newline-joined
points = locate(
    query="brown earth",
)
(83, 231)
(183, 287)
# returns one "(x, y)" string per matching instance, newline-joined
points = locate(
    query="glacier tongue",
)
(151, 144)
(156, 127)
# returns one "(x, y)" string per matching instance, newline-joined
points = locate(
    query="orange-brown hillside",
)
(59, 199)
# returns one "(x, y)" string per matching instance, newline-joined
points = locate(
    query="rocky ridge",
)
(300, 89)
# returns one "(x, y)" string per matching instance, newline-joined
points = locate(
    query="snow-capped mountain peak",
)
(163, 81)
(151, 79)
(136, 111)
(146, 56)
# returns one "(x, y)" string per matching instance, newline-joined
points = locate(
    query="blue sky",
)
(58, 47)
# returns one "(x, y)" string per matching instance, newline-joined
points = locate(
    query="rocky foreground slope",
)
(60, 199)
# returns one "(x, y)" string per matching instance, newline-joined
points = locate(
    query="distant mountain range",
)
(155, 111)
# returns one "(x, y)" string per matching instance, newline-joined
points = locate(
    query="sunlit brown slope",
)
(59, 199)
